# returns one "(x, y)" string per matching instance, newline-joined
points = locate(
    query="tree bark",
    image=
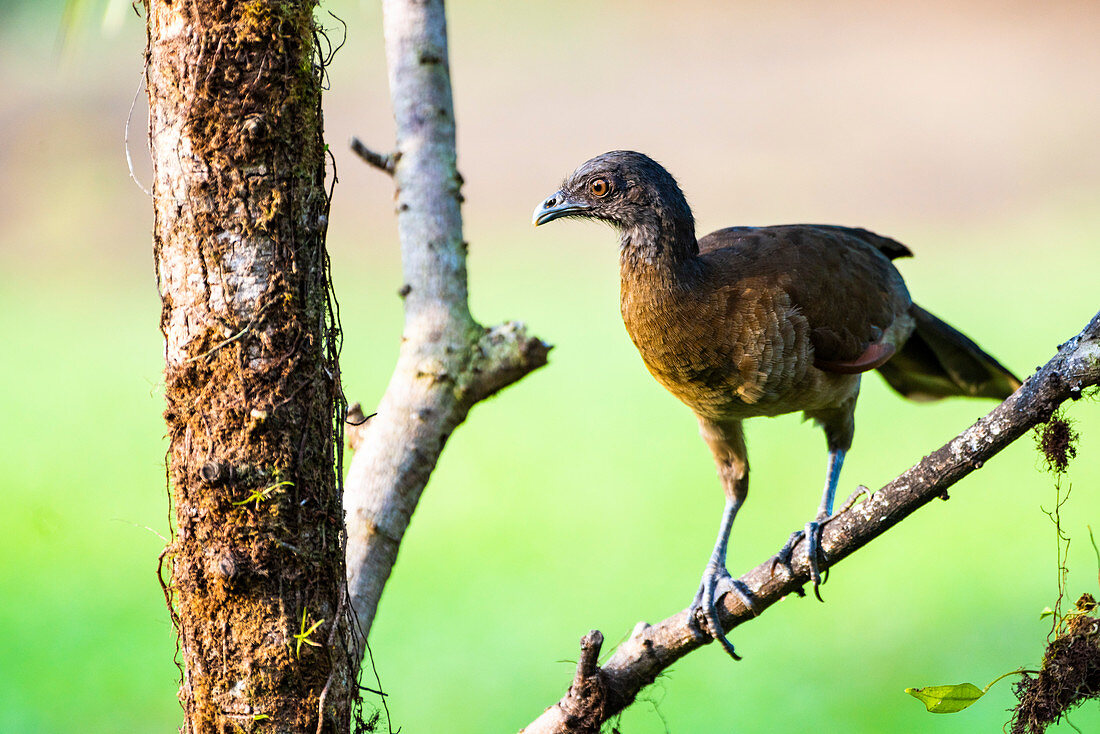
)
(256, 562)
(598, 693)
(448, 362)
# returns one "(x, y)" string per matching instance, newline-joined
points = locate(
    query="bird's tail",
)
(939, 361)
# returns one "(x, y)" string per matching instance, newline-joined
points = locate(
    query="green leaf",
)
(950, 699)
(1047, 611)
(947, 699)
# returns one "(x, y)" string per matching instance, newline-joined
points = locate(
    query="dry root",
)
(1070, 673)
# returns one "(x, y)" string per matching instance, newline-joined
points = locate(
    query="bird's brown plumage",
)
(751, 326)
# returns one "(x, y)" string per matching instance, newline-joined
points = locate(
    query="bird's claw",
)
(717, 583)
(851, 501)
(814, 555)
(784, 555)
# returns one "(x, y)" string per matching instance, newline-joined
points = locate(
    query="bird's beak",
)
(558, 205)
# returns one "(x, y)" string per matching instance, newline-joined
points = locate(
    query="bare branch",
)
(385, 162)
(448, 362)
(651, 649)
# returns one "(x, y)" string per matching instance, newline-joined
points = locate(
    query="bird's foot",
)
(814, 554)
(715, 584)
(783, 557)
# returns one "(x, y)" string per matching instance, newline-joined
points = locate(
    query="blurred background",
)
(582, 497)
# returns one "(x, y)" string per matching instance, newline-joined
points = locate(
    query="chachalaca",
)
(761, 321)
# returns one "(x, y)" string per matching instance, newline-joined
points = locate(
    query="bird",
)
(763, 321)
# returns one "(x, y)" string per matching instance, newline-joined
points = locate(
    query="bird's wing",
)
(841, 280)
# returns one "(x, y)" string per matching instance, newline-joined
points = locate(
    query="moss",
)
(253, 403)
(1058, 442)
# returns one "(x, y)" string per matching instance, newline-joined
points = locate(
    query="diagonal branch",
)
(448, 362)
(599, 693)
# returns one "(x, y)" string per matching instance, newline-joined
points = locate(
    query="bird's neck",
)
(663, 248)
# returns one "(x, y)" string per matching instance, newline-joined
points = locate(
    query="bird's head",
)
(629, 190)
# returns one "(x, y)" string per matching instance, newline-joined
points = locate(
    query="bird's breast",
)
(727, 353)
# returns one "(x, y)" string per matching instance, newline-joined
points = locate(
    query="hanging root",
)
(1070, 673)
(1058, 442)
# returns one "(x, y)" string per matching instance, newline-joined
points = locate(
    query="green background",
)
(582, 498)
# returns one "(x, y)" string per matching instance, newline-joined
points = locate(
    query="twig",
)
(355, 425)
(584, 704)
(651, 649)
(590, 654)
(385, 162)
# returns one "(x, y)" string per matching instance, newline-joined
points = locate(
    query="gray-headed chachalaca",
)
(752, 321)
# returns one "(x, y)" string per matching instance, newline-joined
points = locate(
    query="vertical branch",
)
(447, 362)
(429, 217)
(250, 379)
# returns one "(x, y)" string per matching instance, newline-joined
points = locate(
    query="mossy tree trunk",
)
(251, 380)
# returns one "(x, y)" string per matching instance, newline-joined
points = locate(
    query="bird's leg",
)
(727, 444)
(812, 531)
(717, 582)
(813, 528)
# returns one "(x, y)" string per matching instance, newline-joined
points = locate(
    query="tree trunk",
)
(257, 586)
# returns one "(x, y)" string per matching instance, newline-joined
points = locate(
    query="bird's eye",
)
(600, 187)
